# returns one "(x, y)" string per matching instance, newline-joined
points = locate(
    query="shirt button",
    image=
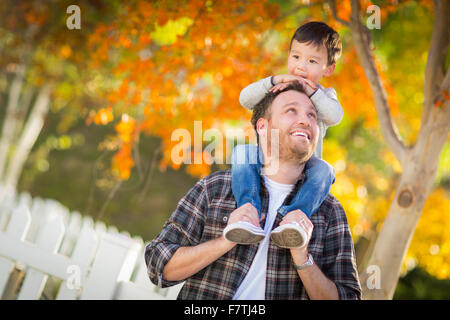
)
(225, 219)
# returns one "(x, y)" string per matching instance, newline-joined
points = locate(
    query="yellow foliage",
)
(430, 245)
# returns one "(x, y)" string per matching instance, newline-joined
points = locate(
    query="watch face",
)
(307, 264)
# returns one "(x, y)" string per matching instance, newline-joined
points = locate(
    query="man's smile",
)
(304, 134)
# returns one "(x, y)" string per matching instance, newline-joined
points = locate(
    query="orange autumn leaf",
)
(122, 163)
(104, 116)
(126, 128)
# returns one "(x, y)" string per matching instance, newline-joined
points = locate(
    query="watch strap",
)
(305, 265)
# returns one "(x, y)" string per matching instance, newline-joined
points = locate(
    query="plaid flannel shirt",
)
(202, 214)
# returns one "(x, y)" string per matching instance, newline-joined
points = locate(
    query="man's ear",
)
(329, 70)
(261, 126)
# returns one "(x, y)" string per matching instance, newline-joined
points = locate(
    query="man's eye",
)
(312, 114)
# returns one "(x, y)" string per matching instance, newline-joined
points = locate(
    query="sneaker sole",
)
(242, 236)
(288, 238)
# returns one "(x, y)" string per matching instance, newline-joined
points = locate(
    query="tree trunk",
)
(9, 123)
(30, 133)
(419, 163)
(419, 171)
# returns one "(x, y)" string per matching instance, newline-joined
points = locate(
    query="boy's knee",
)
(318, 165)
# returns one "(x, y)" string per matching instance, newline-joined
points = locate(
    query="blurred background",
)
(90, 97)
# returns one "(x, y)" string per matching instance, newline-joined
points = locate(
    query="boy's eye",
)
(295, 56)
(312, 61)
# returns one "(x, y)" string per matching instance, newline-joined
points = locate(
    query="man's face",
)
(293, 113)
(308, 61)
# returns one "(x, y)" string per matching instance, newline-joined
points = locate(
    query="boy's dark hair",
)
(319, 33)
(261, 110)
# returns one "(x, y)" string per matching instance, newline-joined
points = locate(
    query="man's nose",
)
(302, 120)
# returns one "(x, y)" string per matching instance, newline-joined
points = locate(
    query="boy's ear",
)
(329, 70)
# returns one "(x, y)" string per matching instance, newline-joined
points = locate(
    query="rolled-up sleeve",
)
(340, 262)
(183, 228)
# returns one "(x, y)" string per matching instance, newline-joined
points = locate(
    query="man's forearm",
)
(317, 285)
(189, 260)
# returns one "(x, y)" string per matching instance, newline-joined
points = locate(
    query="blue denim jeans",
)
(246, 167)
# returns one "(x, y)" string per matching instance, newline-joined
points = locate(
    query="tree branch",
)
(362, 42)
(335, 16)
(434, 82)
(294, 10)
(108, 199)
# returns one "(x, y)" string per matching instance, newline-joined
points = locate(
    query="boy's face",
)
(309, 61)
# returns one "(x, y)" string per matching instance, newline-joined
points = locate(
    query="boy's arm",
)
(328, 106)
(255, 92)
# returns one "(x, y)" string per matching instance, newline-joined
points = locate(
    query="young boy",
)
(314, 50)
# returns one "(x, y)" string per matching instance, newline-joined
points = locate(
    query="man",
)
(191, 246)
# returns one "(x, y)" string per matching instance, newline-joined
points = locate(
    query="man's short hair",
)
(320, 34)
(262, 109)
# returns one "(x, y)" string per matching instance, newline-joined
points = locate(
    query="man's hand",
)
(246, 212)
(299, 255)
(281, 81)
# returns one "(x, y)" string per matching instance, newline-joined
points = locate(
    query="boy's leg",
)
(245, 171)
(245, 184)
(319, 178)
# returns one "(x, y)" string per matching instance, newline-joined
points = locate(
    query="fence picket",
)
(7, 205)
(48, 239)
(25, 198)
(38, 213)
(72, 231)
(172, 293)
(141, 274)
(17, 229)
(82, 257)
(140, 288)
(114, 262)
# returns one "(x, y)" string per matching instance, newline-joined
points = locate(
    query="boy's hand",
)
(281, 81)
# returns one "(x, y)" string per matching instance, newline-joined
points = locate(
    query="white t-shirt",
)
(253, 287)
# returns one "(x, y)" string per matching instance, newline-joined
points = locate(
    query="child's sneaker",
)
(243, 232)
(289, 235)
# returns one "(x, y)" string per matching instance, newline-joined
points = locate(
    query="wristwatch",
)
(307, 264)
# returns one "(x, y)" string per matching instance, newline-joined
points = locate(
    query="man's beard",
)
(291, 151)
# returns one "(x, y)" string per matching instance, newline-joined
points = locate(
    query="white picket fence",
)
(47, 252)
